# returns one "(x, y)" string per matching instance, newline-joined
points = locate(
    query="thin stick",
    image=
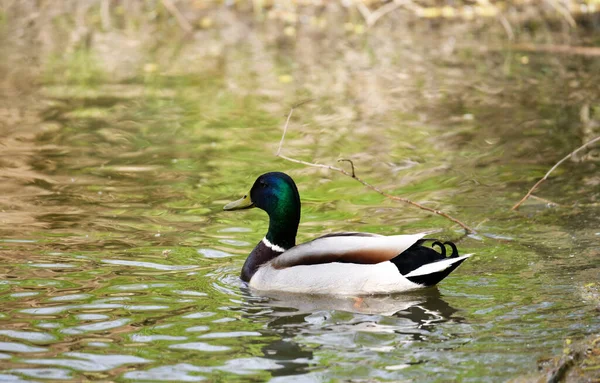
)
(181, 20)
(382, 11)
(507, 27)
(544, 200)
(365, 183)
(552, 169)
(297, 105)
(351, 164)
(284, 132)
(564, 49)
(105, 15)
(363, 9)
(371, 18)
(564, 12)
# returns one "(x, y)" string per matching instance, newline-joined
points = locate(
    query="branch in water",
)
(552, 169)
(365, 183)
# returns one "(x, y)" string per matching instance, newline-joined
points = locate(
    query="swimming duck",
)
(345, 263)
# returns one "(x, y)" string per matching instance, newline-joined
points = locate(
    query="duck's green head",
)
(275, 193)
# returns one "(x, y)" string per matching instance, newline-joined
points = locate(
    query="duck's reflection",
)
(420, 306)
(321, 321)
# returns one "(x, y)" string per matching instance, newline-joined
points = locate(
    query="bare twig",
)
(284, 132)
(564, 49)
(507, 27)
(544, 200)
(371, 18)
(481, 223)
(552, 169)
(363, 9)
(351, 164)
(183, 22)
(105, 15)
(382, 11)
(296, 105)
(365, 183)
(564, 12)
(503, 20)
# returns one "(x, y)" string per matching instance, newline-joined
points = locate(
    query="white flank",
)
(391, 246)
(435, 267)
(333, 278)
(272, 246)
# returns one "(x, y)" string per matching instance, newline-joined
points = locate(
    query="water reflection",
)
(307, 324)
(89, 362)
(428, 300)
(113, 243)
(182, 372)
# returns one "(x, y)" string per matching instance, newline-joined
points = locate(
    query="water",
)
(118, 263)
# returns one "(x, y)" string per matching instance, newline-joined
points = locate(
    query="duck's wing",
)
(363, 248)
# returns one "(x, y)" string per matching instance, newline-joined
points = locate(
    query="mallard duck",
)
(345, 263)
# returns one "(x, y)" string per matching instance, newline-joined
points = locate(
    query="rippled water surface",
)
(118, 263)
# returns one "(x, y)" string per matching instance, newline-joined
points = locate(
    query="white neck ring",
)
(272, 246)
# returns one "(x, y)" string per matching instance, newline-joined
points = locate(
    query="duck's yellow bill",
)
(243, 203)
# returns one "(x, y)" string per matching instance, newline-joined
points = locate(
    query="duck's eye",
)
(263, 184)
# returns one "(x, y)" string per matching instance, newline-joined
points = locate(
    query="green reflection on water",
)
(127, 187)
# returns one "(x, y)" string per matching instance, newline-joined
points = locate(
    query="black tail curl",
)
(441, 245)
(418, 255)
